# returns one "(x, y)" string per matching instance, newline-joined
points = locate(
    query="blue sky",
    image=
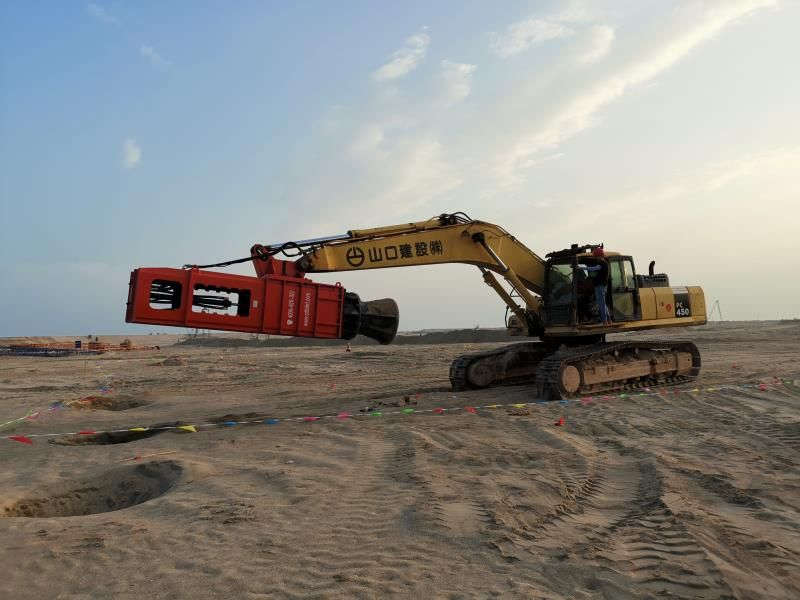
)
(144, 134)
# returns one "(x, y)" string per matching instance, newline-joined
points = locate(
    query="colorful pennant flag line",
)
(55, 406)
(662, 392)
(35, 414)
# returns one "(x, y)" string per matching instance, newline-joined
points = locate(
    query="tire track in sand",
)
(595, 488)
(758, 553)
(368, 529)
(652, 547)
(348, 537)
(620, 521)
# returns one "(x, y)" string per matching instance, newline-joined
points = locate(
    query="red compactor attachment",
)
(281, 301)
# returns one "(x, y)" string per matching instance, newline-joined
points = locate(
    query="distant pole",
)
(715, 307)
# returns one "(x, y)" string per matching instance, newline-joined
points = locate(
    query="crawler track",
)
(507, 365)
(568, 372)
(550, 379)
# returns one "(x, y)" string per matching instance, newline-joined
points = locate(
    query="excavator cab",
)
(570, 281)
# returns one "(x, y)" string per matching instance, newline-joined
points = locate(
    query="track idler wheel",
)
(570, 378)
(481, 374)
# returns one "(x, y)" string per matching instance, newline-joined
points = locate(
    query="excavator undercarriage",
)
(569, 371)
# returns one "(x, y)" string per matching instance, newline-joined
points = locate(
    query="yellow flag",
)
(138, 429)
(188, 428)
(519, 405)
(492, 406)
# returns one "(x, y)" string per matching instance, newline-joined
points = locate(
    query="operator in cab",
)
(599, 277)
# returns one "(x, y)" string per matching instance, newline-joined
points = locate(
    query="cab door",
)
(624, 295)
(560, 295)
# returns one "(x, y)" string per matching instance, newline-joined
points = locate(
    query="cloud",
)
(387, 170)
(593, 41)
(403, 154)
(406, 59)
(412, 173)
(577, 114)
(101, 14)
(573, 12)
(768, 164)
(456, 80)
(131, 153)
(721, 189)
(154, 57)
(367, 141)
(148, 52)
(399, 167)
(522, 35)
(595, 44)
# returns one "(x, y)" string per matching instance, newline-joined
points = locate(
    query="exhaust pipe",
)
(376, 319)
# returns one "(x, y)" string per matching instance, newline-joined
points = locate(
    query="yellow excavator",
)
(555, 299)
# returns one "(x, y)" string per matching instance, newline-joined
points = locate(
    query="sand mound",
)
(109, 403)
(113, 490)
(172, 361)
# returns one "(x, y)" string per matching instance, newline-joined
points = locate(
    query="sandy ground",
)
(691, 495)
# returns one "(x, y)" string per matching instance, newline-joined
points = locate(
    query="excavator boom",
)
(436, 241)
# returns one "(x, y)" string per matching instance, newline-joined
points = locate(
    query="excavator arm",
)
(443, 239)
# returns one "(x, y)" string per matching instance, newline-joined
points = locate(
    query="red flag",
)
(21, 438)
(438, 411)
(310, 418)
(560, 422)
(470, 409)
(87, 432)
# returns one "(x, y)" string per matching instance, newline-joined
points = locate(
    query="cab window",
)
(628, 277)
(616, 275)
(560, 284)
(622, 275)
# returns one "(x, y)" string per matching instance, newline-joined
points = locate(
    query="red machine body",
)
(281, 301)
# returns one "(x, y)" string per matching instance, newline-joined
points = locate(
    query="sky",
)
(156, 134)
